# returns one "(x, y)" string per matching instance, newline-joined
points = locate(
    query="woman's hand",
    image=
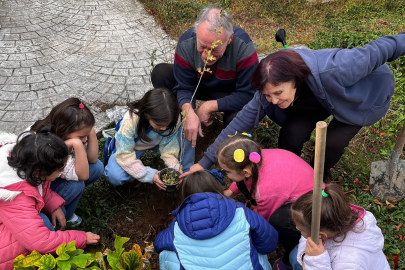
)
(313, 249)
(92, 238)
(194, 168)
(228, 193)
(157, 181)
(58, 215)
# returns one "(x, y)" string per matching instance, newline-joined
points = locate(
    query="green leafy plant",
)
(68, 257)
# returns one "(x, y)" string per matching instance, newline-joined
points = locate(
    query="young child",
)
(27, 169)
(272, 179)
(211, 231)
(151, 123)
(349, 235)
(73, 122)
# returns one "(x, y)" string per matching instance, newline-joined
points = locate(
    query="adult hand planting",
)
(205, 111)
(192, 126)
(194, 168)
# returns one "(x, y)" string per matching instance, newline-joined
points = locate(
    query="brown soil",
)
(148, 212)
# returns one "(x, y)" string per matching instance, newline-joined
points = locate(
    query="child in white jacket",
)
(349, 236)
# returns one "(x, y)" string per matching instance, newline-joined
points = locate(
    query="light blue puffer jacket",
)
(214, 232)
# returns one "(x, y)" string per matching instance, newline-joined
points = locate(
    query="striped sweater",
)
(231, 73)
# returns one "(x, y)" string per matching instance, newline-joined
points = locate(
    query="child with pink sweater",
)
(272, 179)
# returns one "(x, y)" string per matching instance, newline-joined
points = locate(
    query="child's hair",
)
(158, 105)
(225, 154)
(336, 214)
(67, 117)
(37, 155)
(200, 181)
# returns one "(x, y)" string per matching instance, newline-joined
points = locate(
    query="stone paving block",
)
(14, 88)
(35, 78)
(31, 95)
(7, 126)
(12, 116)
(4, 104)
(6, 71)
(16, 80)
(41, 69)
(135, 80)
(137, 72)
(1, 116)
(41, 85)
(20, 106)
(10, 64)
(116, 79)
(3, 79)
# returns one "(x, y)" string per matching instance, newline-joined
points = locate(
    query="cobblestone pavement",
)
(100, 51)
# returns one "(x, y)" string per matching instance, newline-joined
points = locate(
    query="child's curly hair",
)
(37, 155)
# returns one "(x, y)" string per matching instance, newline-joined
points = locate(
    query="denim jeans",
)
(293, 259)
(48, 222)
(117, 176)
(71, 191)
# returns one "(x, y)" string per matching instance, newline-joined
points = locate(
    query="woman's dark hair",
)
(67, 117)
(37, 155)
(336, 214)
(225, 154)
(198, 182)
(280, 67)
(158, 105)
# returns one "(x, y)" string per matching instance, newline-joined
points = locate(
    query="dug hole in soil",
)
(154, 207)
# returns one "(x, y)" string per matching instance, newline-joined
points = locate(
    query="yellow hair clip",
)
(247, 134)
(239, 155)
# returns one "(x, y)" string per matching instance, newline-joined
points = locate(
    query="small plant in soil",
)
(170, 177)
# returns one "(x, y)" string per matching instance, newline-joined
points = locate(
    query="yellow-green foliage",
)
(68, 257)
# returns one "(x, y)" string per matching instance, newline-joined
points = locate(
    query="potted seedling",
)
(170, 177)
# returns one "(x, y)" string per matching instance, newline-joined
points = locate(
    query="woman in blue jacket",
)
(211, 231)
(298, 87)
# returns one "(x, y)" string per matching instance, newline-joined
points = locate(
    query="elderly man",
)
(227, 89)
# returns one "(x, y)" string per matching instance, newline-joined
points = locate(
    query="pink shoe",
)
(279, 265)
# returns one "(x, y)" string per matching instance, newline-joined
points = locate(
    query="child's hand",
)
(74, 143)
(92, 238)
(157, 181)
(228, 193)
(59, 216)
(313, 249)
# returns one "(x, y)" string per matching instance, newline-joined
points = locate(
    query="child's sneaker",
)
(74, 221)
(280, 265)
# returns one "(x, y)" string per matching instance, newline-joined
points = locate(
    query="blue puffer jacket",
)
(354, 85)
(214, 232)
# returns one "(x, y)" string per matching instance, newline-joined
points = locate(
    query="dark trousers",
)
(296, 130)
(162, 77)
(282, 221)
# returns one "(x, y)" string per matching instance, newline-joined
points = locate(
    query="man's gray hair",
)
(212, 14)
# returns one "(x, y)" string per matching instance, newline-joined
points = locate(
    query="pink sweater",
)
(283, 177)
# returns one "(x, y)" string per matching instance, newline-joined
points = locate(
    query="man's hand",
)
(194, 168)
(192, 125)
(205, 111)
(58, 215)
(313, 249)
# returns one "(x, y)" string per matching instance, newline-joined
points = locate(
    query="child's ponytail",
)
(37, 155)
(337, 215)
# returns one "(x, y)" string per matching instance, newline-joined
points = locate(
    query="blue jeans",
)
(117, 176)
(71, 191)
(293, 259)
(48, 222)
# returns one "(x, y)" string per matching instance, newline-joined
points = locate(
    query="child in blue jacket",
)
(211, 231)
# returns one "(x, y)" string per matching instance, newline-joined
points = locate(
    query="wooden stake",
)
(320, 144)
